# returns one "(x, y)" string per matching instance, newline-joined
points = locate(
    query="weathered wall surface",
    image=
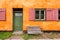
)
(26, 4)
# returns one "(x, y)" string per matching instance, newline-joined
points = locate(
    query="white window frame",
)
(40, 15)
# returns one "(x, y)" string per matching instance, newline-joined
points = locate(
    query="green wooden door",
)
(18, 21)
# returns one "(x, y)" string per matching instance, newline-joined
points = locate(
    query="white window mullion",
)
(39, 14)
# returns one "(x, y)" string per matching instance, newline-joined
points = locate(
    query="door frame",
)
(13, 18)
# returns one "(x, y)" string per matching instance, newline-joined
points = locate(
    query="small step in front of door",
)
(17, 32)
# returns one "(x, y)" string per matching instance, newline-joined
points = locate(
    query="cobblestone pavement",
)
(16, 36)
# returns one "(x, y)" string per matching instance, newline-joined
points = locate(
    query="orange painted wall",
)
(26, 5)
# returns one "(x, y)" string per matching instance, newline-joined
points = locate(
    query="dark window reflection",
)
(42, 14)
(59, 14)
(37, 14)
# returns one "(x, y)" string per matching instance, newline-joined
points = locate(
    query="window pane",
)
(42, 14)
(59, 14)
(37, 14)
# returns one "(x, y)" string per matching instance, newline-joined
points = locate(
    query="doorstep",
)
(18, 32)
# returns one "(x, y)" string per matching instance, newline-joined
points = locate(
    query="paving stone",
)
(18, 32)
(13, 39)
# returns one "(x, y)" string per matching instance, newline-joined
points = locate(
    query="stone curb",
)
(31, 39)
(44, 39)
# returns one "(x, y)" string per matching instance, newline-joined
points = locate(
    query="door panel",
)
(18, 21)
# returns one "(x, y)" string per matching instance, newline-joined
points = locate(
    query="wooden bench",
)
(34, 30)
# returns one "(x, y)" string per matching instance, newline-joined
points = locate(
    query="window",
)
(40, 14)
(49, 14)
(59, 14)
